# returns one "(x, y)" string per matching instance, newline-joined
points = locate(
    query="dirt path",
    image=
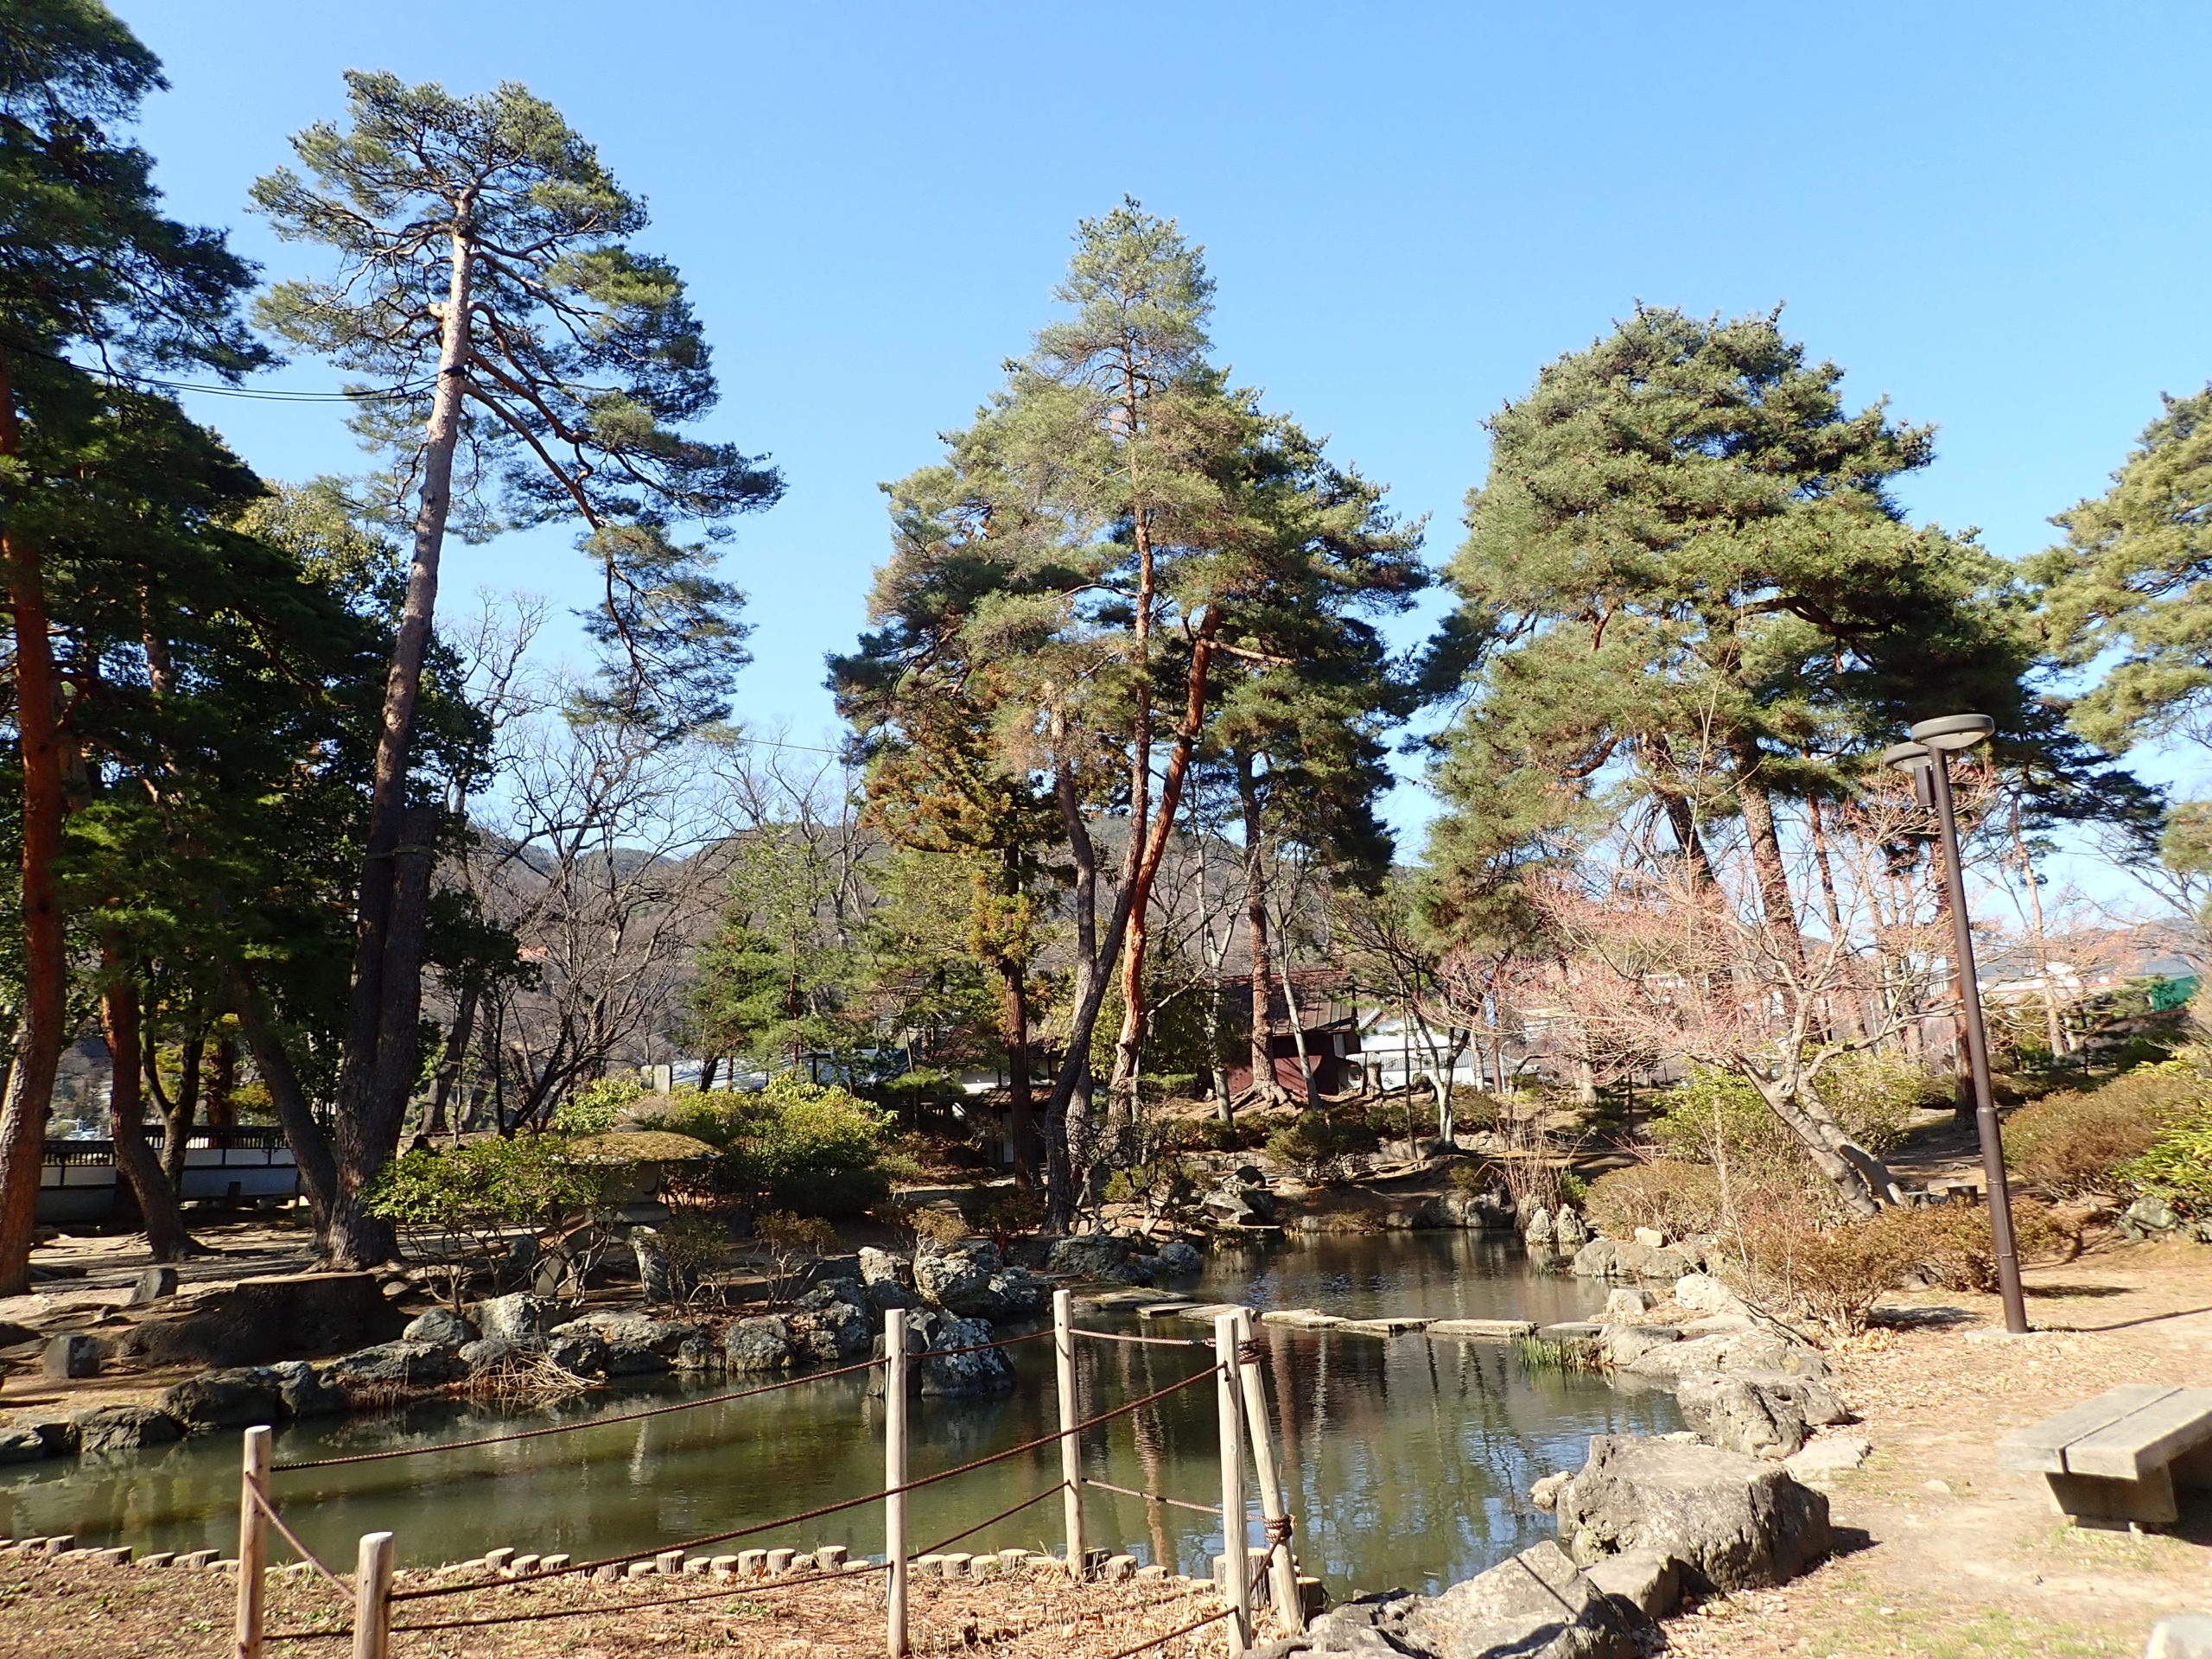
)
(1945, 1554)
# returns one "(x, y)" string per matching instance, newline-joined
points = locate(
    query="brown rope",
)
(1248, 1351)
(1152, 1497)
(1154, 1342)
(847, 1503)
(565, 1428)
(261, 1502)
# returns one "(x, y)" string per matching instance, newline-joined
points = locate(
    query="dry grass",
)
(60, 1610)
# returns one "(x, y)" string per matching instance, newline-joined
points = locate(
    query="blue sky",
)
(1990, 213)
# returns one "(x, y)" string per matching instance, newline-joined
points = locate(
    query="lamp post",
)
(1927, 757)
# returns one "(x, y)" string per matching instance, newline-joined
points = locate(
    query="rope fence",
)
(1242, 1422)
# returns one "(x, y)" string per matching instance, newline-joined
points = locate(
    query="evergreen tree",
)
(88, 263)
(489, 293)
(2133, 585)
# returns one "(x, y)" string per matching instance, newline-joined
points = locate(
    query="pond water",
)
(1408, 1459)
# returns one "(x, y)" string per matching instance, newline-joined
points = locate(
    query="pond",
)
(1408, 1459)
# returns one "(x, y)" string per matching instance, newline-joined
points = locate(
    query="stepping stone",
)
(955, 1563)
(1302, 1319)
(1165, 1310)
(929, 1566)
(752, 1563)
(522, 1566)
(669, 1562)
(606, 1574)
(982, 1566)
(1013, 1561)
(722, 1567)
(1114, 1301)
(1119, 1568)
(496, 1559)
(1570, 1330)
(64, 1544)
(830, 1558)
(779, 1562)
(1207, 1312)
(196, 1559)
(695, 1564)
(158, 1558)
(553, 1563)
(641, 1569)
(1482, 1329)
(120, 1556)
(1151, 1574)
(1392, 1327)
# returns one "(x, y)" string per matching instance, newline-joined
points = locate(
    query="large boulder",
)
(1703, 1293)
(400, 1364)
(489, 1356)
(237, 1396)
(834, 1332)
(943, 1372)
(442, 1327)
(1240, 1205)
(1595, 1259)
(1734, 1523)
(303, 1392)
(1537, 1605)
(881, 1267)
(1739, 1351)
(123, 1428)
(1178, 1260)
(968, 1280)
(518, 1318)
(1087, 1255)
(636, 1345)
(22, 1442)
(1622, 1346)
(258, 1320)
(579, 1349)
(758, 1345)
(1738, 1415)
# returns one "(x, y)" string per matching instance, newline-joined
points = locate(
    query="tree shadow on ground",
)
(1919, 1319)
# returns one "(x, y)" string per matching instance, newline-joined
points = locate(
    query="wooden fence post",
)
(1071, 1415)
(372, 1596)
(253, 1540)
(895, 1477)
(1235, 1562)
(1283, 1566)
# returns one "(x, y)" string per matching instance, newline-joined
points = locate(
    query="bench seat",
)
(2117, 1459)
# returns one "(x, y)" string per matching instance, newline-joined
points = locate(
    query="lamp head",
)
(1953, 731)
(1906, 757)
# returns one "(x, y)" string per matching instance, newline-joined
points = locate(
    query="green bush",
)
(473, 1196)
(1716, 1115)
(2086, 1140)
(1319, 1147)
(2177, 1166)
(1676, 1198)
(814, 1149)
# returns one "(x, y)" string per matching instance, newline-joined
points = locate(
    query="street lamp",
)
(1927, 759)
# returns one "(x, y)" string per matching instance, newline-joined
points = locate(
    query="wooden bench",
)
(2117, 1459)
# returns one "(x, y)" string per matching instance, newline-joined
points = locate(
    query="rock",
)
(1627, 1304)
(237, 1396)
(125, 1428)
(1240, 1206)
(1666, 1264)
(1623, 1344)
(1089, 1255)
(1595, 1260)
(394, 1364)
(1645, 1582)
(1570, 1330)
(656, 1279)
(1814, 1399)
(966, 1278)
(881, 1267)
(74, 1355)
(986, 1372)
(518, 1318)
(637, 1345)
(1544, 1493)
(441, 1327)
(884, 1294)
(1710, 1324)
(1178, 1260)
(1569, 1230)
(699, 1352)
(1137, 1271)
(2148, 1216)
(488, 1356)
(258, 1320)
(1749, 1351)
(2187, 1637)
(1702, 1294)
(22, 1442)
(1651, 1237)
(154, 1284)
(579, 1349)
(1485, 1330)
(1535, 1605)
(759, 1345)
(1830, 1455)
(1537, 1229)
(1733, 1522)
(303, 1392)
(837, 1332)
(1738, 1415)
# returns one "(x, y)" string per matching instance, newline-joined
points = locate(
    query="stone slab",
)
(1482, 1329)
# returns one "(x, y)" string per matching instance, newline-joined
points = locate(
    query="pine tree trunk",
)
(380, 1052)
(1776, 904)
(40, 1038)
(159, 1211)
(1258, 948)
(456, 1050)
(1021, 1126)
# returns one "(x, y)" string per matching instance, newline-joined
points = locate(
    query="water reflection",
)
(1409, 1460)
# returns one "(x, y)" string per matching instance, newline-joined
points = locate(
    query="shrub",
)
(474, 1195)
(2177, 1166)
(1674, 1197)
(2086, 1140)
(1717, 1115)
(1247, 1134)
(1000, 1214)
(595, 1109)
(1320, 1147)
(811, 1149)
(1832, 1276)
